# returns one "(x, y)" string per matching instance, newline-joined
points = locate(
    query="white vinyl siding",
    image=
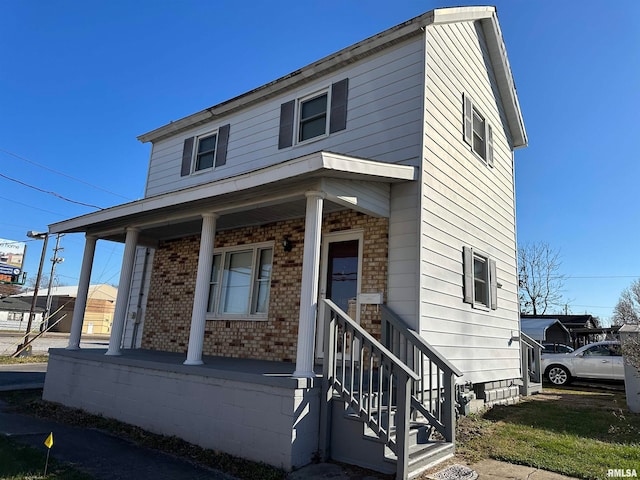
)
(383, 123)
(466, 204)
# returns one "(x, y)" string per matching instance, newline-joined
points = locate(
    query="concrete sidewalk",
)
(484, 470)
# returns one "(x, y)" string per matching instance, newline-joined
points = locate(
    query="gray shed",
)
(549, 330)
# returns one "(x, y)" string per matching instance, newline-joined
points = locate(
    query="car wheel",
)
(558, 375)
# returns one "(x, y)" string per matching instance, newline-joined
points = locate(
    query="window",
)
(477, 131)
(14, 316)
(478, 134)
(314, 116)
(240, 282)
(205, 152)
(480, 279)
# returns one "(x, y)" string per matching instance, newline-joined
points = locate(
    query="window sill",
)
(237, 318)
(480, 306)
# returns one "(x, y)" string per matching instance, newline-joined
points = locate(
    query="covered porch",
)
(259, 397)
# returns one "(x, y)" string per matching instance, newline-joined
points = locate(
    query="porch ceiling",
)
(267, 195)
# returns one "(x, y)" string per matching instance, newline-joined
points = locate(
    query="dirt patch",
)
(582, 397)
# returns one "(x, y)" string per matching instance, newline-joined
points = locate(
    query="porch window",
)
(240, 282)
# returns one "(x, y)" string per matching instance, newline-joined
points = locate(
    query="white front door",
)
(340, 275)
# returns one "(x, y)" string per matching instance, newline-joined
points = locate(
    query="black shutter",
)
(467, 112)
(221, 148)
(467, 260)
(187, 152)
(339, 94)
(285, 137)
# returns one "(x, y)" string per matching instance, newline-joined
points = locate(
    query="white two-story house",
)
(320, 265)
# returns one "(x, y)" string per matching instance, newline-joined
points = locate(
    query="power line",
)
(30, 206)
(63, 174)
(57, 195)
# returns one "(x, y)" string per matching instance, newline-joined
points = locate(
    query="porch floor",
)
(240, 369)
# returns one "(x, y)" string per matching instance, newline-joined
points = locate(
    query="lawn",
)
(18, 462)
(9, 360)
(571, 431)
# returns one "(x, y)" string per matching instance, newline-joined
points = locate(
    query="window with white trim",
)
(480, 279)
(477, 131)
(312, 117)
(240, 282)
(205, 152)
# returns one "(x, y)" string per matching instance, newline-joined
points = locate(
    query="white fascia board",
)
(461, 14)
(315, 164)
(506, 83)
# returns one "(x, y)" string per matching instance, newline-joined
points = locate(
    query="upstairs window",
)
(480, 279)
(240, 282)
(477, 131)
(313, 117)
(205, 152)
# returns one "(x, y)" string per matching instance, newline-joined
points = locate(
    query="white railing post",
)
(328, 376)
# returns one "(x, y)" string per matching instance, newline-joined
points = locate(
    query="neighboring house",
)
(98, 313)
(14, 314)
(546, 330)
(344, 235)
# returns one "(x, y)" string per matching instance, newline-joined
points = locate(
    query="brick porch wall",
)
(175, 264)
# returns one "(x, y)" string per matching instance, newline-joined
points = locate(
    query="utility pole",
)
(38, 236)
(54, 261)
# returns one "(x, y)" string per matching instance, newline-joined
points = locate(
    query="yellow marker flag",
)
(49, 441)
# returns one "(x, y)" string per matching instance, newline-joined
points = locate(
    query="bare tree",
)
(627, 309)
(540, 281)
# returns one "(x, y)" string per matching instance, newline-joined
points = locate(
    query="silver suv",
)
(600, 360)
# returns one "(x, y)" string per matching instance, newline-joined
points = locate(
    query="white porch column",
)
(83, 291)
(124, 286)
(309, 288)
(201, 295)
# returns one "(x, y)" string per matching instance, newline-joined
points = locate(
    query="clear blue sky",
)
(80, 80)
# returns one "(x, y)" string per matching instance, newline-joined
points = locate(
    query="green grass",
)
(9, 360)
(572, 432)
(18, 462)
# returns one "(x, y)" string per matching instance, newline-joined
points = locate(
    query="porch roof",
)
(248, 198)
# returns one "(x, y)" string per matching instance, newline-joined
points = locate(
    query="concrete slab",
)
(495, 470)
